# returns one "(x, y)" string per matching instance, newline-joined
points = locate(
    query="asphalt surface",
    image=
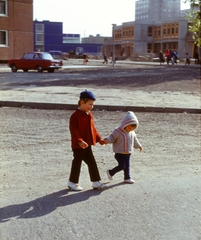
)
(165, 201)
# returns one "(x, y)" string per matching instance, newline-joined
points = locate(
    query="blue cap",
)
(87, 94)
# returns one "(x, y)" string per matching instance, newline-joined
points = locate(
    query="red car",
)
(40, 61)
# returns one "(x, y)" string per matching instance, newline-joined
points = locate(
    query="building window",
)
(3, 7)
(39, 38)
(149, 47)
(172, 30)
(39, 27)
(3, 38)
(150, 31)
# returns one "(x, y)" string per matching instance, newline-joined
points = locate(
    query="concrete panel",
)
(101, 107)
(2, 103)
(13, 104)
(63, 106)
(136, 109)
(29, 105)
(45, 106)
(117, 108)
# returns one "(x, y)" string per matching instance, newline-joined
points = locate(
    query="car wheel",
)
(13, 68)
(39, 69)
(25, 70)
(50, 70)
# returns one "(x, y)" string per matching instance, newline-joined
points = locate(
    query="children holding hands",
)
(84, 135)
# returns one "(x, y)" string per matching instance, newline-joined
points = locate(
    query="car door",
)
(32, 60)
(26, 61)
(22, 63)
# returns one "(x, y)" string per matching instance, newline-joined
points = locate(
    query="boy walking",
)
(124, 139)
(83, 136)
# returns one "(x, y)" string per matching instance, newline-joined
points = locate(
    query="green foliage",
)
(194, 17)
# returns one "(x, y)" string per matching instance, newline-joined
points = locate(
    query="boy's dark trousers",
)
(87, 156)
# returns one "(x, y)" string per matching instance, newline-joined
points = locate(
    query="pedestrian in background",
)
(187, 57)
(85, 58)
(161, 57)
(168, 56)
(173, 56)
(105, 58)
(176, 56)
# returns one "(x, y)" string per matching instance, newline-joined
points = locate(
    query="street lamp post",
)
(161, 37)
(113, 44)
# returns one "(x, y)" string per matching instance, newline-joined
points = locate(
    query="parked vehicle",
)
(59, 55)
(77, 53)
(40, 61)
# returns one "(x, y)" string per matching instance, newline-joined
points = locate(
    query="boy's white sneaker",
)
(131, 181)
(108, 174)
(74, 186)
(98, 185)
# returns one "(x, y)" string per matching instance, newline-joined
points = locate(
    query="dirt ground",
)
(126, 84)
(163, 204)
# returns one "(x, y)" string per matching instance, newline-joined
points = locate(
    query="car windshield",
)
(47, 56)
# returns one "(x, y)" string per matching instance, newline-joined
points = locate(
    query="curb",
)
(63, 106)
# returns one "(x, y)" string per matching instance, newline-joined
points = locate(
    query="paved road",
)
(163, 204)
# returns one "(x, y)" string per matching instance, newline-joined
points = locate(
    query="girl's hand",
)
(140, 148)
(105, 140)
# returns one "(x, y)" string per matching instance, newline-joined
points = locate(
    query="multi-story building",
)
(71, 38)
(158, 25)
(16, 28)
(156, 10)
(123, 37)
(95, 39)
(49, 37)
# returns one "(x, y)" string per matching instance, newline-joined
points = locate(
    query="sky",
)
(86, 17)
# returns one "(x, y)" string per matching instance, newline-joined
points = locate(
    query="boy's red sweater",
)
(82, 128)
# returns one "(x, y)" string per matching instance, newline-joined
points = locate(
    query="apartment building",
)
(123, 38)
(161, 25)
(16, 28)
(158, 25)
(156, 10)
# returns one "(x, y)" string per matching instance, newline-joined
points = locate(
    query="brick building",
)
(16, 28)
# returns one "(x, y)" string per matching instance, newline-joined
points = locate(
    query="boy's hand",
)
(140, 148)
(83, 144)
(102, 142)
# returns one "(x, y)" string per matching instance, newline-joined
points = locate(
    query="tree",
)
(194, 17)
